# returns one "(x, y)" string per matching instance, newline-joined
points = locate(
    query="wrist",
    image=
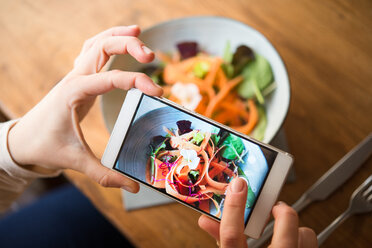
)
(14, 146)
(18, 151)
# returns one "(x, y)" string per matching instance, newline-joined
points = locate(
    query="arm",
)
(13, 177)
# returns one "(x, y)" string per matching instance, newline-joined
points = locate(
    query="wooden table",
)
(326, 46)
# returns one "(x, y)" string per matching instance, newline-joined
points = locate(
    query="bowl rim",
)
(220, 18)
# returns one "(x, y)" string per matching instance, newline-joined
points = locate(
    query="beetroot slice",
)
(188, 49)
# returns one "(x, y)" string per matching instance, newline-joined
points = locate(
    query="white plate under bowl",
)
(211, 33)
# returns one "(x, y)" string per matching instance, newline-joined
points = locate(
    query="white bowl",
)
(211, 33)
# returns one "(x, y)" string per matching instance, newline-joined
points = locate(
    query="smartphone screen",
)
(189, 158)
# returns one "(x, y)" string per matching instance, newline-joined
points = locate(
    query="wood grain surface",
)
(326, 46)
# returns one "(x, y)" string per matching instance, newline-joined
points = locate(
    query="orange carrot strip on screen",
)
(204, 206)
(209, 149)
(221, 95)
(218, 167)
(253, 118)
(205, 141)
(161, 171)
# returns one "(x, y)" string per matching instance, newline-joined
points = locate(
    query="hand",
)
(230, 232)
(50, 136)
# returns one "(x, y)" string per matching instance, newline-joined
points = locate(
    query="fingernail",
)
(280, 203)
(158, 86)
(127, 188)
(147, 50)
(132, 26)
(237, 185)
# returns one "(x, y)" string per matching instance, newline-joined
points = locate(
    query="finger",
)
(97, 56)
(106, 177)
(211, 226)
(285, 227)
(232, 223)
(103, 82)
(132, 30)
(307, 238)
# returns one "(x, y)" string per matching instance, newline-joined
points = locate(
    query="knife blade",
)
(337, 175)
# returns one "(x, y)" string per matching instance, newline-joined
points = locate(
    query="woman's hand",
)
(229, 233)
(49, 136)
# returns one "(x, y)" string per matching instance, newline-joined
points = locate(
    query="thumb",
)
(92, 167)
(232, 223)
(106, 177)
(100, 83)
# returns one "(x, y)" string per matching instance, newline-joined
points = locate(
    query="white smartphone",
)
(192, 159)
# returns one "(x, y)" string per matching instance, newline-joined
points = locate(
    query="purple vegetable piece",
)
(188, 49)
(242, 56)
(184, 126)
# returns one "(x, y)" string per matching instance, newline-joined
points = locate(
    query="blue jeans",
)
(62, 218)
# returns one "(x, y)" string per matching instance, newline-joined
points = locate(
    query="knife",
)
(327, 184)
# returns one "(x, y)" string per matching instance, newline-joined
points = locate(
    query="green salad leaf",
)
(257, 76)
(152, 163)
(233, 147)
(197, 138)
(242, 56)
(227, 57)
(155, 147)
(194, 175)
(258, 93)
(227, 54)
(161, 146)
(258, 132)
(214, 136)
(251, 197)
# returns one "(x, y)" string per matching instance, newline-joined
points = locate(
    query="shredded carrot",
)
(163, 57)
(221, 95)
(235, 110)
(212, 74)
(253, 118)
(221, 78)
(174, 72)
(176, 57)
(219, 101)
(202, 104)
(226, 117)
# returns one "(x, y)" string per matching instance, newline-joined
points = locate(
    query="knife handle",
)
(268, 232)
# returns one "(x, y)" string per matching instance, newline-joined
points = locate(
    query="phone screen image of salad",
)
(190, 159)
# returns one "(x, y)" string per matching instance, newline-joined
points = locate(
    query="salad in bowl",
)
(230, 89)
